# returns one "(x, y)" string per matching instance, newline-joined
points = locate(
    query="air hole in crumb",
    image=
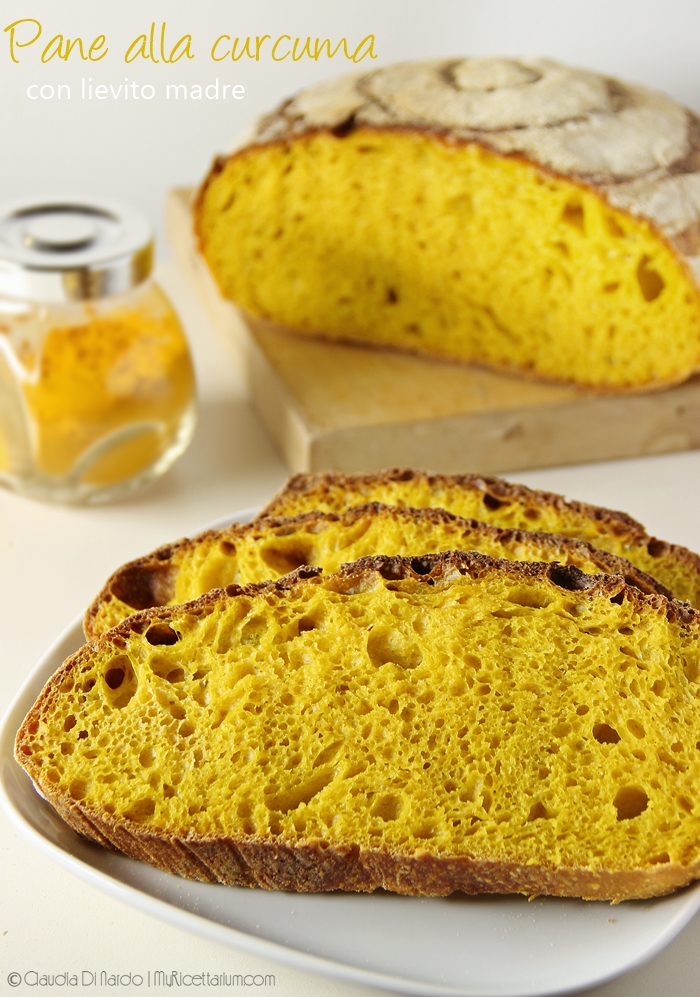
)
(658, 687)
(78, 789)
(161, 634)
(387, 807)
(424, 832)
(614, 227)
(582, 710)
(253, 630)
(307, 623)
(121, 681)
(630, 802)
(538, 811)
(573, 215)
(69, 723)
(650, 282)
(328, 755)
(568, 577)
(655, 548)
(227, 548)
(605, 734)
(141, 810)
(147, 756)
(421, 565)
(661, 859)
(285, 558)
(391, 296)
(114, 677)
(634, 727)
(492, 503)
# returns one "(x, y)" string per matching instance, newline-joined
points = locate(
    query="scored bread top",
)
(638, 148)
(421, 724)
(270, 547)
(500, 503)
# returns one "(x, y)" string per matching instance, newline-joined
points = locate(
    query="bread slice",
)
(431, 724)
(269, 548)
(495, 501)
(518, 213)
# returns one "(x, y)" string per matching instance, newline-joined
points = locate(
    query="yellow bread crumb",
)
(270, 548)
(500, 503)
(398, 238)
(427, 724)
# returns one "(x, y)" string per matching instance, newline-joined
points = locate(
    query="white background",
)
(52, 560)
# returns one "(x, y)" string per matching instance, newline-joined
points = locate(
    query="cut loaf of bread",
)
(425, 725)
(514, 212)
(269, 548)
(502, 504)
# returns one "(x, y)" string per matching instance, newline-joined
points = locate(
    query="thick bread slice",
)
(518, 213)
(493, 500)
(447, 722)
(269, 548)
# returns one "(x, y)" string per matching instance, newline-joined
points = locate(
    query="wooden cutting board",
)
(352, 408)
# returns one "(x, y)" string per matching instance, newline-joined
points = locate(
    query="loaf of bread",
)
(425, 725)
(506, 505)
(269, 548)
(514, 212)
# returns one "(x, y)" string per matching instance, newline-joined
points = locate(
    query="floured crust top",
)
(638, 148)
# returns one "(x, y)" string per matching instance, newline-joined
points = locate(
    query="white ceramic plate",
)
(470, 946)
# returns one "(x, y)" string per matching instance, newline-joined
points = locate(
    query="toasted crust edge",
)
(155, 573)
(616, 522)
(314, 866)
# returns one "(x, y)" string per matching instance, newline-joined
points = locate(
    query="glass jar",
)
(96, 382)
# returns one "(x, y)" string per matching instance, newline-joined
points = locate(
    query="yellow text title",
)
(156, 45)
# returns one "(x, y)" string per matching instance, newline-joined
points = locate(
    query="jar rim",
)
(68, 248)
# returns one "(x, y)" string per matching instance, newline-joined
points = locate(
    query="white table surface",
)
(53, 560)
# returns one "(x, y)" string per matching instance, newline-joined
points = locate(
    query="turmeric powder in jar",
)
(96, 380)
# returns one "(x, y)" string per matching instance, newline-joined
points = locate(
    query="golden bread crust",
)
(337, 489)
(322, 483)
(317, 867)
(149, 581)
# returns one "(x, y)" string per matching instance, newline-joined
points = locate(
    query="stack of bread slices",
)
(405, 680)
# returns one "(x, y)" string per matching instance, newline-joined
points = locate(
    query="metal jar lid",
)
(71, 249)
